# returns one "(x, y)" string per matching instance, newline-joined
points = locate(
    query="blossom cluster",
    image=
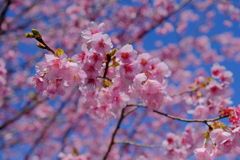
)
(107, 78)
(223, 141)
(212, 94)
(233, 113)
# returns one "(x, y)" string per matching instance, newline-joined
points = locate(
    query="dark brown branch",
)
(39, 39)
(178, 118)
(138, 144)
(3, 13)
(130, 111)
(107, 65)
(190, 120)
(114, 134)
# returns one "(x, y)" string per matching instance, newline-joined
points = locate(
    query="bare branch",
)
(190, 120)
(114, 134)
(138, 144)
(3, 13)
(178, 118)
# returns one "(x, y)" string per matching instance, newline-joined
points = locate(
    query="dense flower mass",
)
(136, 87)
(107, 78)
(110, 78)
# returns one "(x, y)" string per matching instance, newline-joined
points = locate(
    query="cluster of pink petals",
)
(233, 113)
(177, 146)
(214, 93)
(55, 76)
(223, 141)
(129, 75)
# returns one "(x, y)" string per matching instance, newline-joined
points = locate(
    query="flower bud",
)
(36, 33)
(113, 52)
(29, 35)
(59, 52)
(40, 45)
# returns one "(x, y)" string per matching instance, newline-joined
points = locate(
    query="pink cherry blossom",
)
(101, 43)
(202, 154)
(93, 29)
(126, 54)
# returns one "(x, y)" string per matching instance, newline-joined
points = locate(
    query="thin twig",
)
(39, 39)
(178, 118)
(3, 13)
(107, 65)
(130, 111)
(190, 120)
(188, 91)
(138, 144)
(114, 134)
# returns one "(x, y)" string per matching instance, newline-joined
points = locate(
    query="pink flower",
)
(120, 101)
(90, 70)
(144, 60)
(171, 141)
(161, 71)
(201, 112)
(217, 70)
(236, 138)
(126, 54)
(92, 29)
(102, 111)
(101, 43)
(202, 154)
(153, 94)
(222, 140)
(152, 87)
(138, 80)
(81, 58)
(92, 83)
(215, 88)
(129, 71)
(227, 77)
(105, 96)
(37, 82)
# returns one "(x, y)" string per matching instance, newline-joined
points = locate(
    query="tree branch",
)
(3, 13)
(138, 144)
(190, 120)
(178, 118)
(114, 134)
